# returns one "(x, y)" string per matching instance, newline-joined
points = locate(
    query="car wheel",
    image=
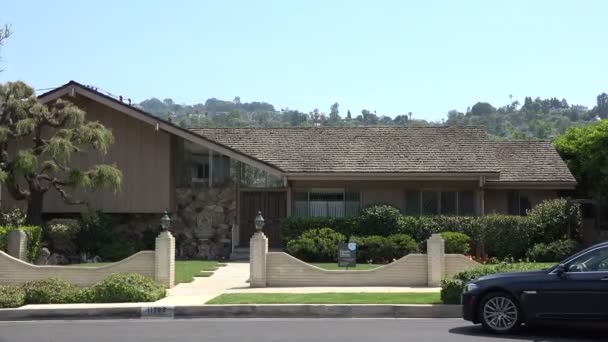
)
(499, 313)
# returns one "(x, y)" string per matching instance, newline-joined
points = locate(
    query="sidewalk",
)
(202, 289)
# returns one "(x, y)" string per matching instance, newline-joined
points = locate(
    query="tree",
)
(602, 105)
(5, 32)
(334, 113)
(348, 115)
(482, 108)
(37, 143)
(584, 149)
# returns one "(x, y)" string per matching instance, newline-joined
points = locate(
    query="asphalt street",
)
(377, 330)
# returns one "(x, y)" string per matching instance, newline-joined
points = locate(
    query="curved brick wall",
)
(14, 271)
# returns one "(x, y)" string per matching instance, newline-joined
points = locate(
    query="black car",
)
(576, 290)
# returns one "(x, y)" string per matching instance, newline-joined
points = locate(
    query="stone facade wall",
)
(203, 221)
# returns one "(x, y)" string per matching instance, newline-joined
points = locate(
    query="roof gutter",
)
(389, 176)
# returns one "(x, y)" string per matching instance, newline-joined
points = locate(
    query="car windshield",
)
(592, 261)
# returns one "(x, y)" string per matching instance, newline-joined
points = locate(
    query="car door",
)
(580, 293)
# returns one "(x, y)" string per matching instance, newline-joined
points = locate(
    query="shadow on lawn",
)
(544, 333)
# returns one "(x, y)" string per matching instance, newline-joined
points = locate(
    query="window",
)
(466, 204)
(434, 202)
(429, 203)
(592, 261)
(412, 203)
(448, 203)
(326, 202)
(517, 203)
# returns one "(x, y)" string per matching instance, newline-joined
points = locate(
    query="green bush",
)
(379, 249)
(11, 296)
(51, 291)
(553, 251)
(501, 236)
(451, 289)
(34, 235)
(556, 219)
(379, 220)
(122, 288)
(316, 245)
(294, 227)
(456, 243)
(13, 218)
(63, 233)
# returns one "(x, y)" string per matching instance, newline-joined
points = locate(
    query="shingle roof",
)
(364, 149)
(530, 161)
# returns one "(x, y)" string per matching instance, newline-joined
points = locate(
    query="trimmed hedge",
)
(51, 291)
(501, 236)
(316, 245)
(117, 288)
(553, 251)
(456, 243)
(34, 235)
(11, 296)
(122, 288)
(378, 249)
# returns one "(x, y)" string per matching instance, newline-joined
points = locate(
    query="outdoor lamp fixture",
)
(259, 222)
(165, 221)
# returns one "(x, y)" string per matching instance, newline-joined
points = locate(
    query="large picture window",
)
(517, 203)
(325, 202)
(439, 202)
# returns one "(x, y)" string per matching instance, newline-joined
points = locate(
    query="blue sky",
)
(394, 57)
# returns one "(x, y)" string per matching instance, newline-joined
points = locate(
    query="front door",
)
(273, 205)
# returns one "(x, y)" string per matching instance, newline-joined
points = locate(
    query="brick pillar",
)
(435, 251)
(258, 250)
(164, 263)
(17, 244)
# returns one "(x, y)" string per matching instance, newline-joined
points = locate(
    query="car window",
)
(593, 261)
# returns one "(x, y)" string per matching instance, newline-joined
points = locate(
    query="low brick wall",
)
(283, 269)
(455, 263)
(15, 272)
(158, 264)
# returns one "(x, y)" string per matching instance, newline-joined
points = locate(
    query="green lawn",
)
(185, 270)
(334, 266)
(327, 298)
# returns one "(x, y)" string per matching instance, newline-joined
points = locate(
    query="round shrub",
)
(11, 296)
(456, 243)
(379, 219)
(319, 245)
(128, 287)
(379, 249)
(556, 219)
(451, 289)
(51, 291)
(403, 244)
(554, 251)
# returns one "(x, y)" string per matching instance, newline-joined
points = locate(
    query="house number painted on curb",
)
(157, 312)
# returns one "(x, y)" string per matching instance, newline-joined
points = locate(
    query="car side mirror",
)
(561, 270)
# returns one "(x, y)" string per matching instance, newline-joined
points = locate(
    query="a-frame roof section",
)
(72, 88)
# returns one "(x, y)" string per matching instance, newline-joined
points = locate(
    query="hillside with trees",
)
(535, 118)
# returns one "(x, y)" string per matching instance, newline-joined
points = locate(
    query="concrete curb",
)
(237, 311)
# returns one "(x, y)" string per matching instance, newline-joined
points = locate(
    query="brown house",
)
(215, 180)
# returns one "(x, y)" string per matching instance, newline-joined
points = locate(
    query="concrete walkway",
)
(202, 289)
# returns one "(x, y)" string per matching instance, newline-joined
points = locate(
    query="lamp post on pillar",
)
(164, 254)
(258, 250)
